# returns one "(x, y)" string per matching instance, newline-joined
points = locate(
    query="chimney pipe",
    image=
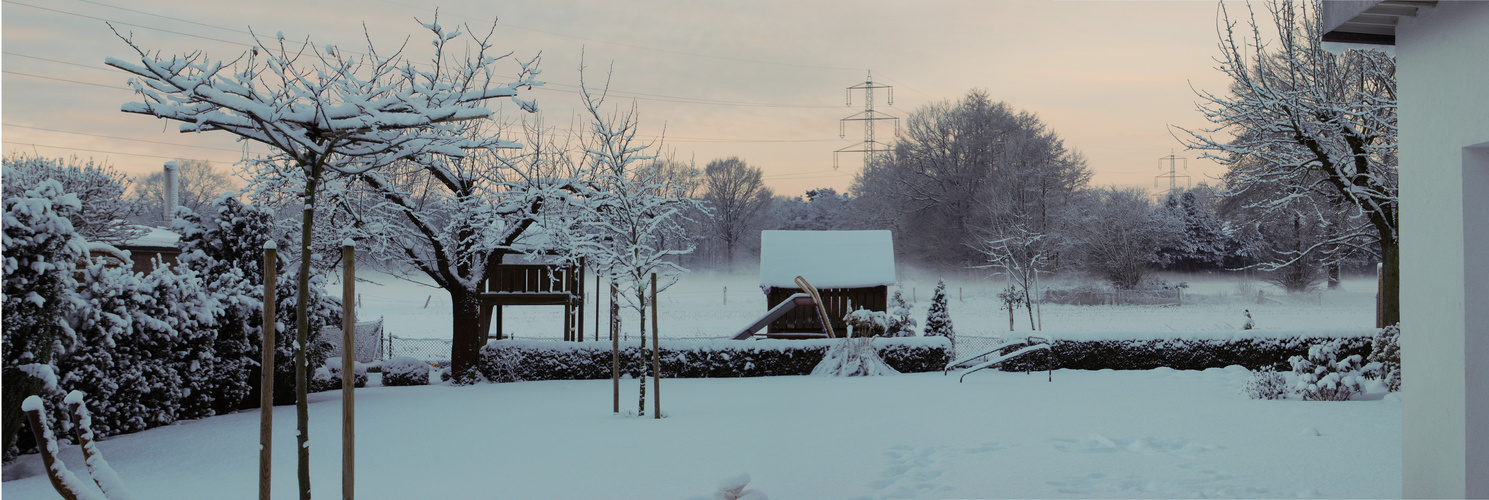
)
(172, 190)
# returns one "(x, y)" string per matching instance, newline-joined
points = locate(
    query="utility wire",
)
(122, 138)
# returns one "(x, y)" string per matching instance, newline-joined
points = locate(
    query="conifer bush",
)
(1327, 374)
(1385, 356)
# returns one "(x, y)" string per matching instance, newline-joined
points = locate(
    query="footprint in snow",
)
(914, 471)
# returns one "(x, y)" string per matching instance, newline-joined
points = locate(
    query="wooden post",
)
(656, 353)
(726, 295)
(348, 369)
(266, 371)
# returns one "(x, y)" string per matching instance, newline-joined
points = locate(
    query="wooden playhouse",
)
(850, 270)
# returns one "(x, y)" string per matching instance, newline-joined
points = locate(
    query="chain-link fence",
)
(368, 337)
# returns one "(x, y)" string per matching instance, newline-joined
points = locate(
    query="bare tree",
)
(198, 183)
(737, 196)
(324, 115)
(452, 218)
(631, 219)
(1308, 124)
(957, 165)
(1120, 233)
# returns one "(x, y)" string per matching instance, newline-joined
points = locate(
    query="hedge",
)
(1184, 350)
(514, 360)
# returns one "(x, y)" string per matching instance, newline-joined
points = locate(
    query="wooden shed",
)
(850, 269)
(151, 246)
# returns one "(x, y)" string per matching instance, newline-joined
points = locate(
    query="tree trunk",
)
(466, 335)
(302, 337)
(1333, 271)
(1390, 312)
(641, 355)
(17, 386)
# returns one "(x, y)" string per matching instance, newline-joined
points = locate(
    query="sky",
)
(762, 80)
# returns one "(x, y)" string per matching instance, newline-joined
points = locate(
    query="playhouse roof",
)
(827, 259)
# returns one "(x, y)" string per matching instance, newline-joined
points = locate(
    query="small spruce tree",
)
(900, 322)
(937, 321)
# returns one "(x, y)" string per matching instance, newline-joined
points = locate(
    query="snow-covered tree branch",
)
(1307, 124)
(326, 114)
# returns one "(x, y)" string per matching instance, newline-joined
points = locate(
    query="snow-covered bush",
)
(145, 350)
(328, 376)
(40, 252)
(404, 370)
(502, 365)
(1385, 356)
(1327, 374)
(937, 320)
(722, 359)
(866, 323)
(900, 322)
(1179, 353)
(224, 245)
(733, 488)
(1267, 383)
(103, 209)
(855, 356)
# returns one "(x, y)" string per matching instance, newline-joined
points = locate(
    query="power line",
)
(122, 23)
(122, 138)
(17, 73)
(643, 47)
(35, 145)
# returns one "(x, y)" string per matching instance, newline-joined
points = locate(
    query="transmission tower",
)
(1173, 174)
(869, 147)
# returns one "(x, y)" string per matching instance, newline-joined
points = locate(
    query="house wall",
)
(1443, 89)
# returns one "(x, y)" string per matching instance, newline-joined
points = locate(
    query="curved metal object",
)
(821, 308)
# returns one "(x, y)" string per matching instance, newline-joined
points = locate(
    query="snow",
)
(1154, 433)
(153, 237)
(827, 259)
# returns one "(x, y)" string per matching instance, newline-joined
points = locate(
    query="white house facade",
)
(1442, 69)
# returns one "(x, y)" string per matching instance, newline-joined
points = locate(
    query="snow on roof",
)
(827, 259)
(153, 237)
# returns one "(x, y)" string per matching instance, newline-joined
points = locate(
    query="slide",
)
(1001, 358)
(800, 299)
(1031, 339)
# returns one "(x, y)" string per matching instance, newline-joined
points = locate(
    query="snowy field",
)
(717, 305)
(1158, 433)
(1103, 434)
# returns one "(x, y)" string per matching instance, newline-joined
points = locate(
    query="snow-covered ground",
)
(1158, 433)
(1102, 434)
(710, 304)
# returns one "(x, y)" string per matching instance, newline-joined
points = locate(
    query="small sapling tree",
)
(324, 114)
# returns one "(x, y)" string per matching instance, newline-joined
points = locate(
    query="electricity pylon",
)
(1173, 174)
(869, 147)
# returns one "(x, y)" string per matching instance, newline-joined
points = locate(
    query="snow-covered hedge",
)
(328, 377)
(404, 370)
(1252, 349)
(513, 360)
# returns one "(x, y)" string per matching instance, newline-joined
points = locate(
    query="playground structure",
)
(810, 298)
(851, 269)
(529, 282)
(994, 356)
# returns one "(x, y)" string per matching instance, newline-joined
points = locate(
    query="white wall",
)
(1443, 85)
